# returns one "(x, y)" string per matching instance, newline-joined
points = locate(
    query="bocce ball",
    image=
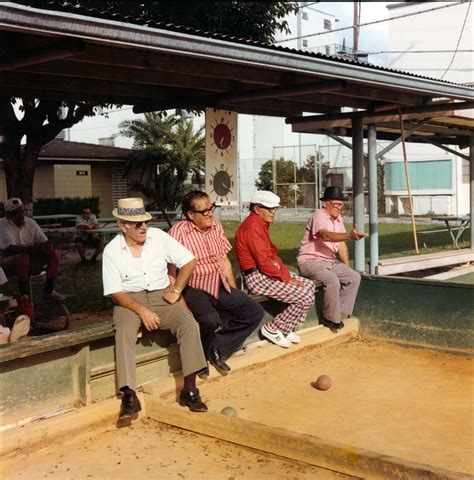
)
(323, 383)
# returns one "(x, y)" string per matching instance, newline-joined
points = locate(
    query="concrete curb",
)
(309, 449)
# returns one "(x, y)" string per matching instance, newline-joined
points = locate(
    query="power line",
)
(373, 22)
(459, 40)
(419, 51)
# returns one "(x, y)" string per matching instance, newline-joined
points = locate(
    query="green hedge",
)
(72, 205)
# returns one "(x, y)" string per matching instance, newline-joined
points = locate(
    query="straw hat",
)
(131, 210)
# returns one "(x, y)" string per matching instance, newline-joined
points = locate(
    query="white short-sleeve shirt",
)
(121, 272)
(27, 235)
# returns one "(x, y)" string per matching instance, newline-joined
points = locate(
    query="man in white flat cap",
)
(25, 250)
(135, 275)
(265, 273)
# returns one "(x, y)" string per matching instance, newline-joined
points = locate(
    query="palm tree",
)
(168, 150)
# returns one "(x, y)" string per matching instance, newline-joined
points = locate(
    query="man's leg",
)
(203, 308)
(350, 282)
(323, 272)
(18, 265)
(246, 315)
(299, 299)
(97, 244)
(81, 248)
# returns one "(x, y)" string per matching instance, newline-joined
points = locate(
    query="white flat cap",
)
(265, 198)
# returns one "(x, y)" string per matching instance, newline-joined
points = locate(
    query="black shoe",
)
(130, 405)
(217, 362)
(192, 400)
(204, 373)
(333, 325)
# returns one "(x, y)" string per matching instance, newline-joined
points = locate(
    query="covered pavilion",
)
(73, 53)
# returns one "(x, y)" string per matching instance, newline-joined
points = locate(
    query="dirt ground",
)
(152, 450)
(409, 403)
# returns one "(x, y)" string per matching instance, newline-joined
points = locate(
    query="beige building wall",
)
(72, 180)
(43, 184)
(102, 187)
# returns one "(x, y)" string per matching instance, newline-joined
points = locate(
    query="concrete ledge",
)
(296, 446)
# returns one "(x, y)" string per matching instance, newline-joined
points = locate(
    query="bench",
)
(392, 266)
(425, 233)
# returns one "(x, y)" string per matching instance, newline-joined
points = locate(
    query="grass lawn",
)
(85, 282)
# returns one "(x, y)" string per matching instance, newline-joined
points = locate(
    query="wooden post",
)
(410, 200)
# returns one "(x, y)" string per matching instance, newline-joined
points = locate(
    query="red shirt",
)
(210, 248)
(254, 248)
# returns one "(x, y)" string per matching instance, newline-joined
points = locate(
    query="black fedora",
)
(333, 193)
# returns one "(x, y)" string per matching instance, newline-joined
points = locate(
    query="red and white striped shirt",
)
(210, 247)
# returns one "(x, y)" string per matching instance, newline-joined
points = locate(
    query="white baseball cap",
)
(265, 198)
(12, 204)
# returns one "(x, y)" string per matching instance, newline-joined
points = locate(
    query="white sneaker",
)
(54, 295)
(293, 338)
(275, 336)
(20, 328)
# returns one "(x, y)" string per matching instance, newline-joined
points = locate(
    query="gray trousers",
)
(174, 318)
(341, 284)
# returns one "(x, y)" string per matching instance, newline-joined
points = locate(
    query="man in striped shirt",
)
(212, 286)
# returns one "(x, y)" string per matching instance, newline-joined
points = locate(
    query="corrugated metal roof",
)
(109, 15)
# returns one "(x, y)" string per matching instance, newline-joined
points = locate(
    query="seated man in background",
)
(135, 275)
(86, 223)
(26, 251)
(212, 286)
(324, 237)
(265, 273)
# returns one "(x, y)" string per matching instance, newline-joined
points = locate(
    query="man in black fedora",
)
(324, 240)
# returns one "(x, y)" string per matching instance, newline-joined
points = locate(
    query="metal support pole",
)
(358, 189)
(373, 190)
(471, 179)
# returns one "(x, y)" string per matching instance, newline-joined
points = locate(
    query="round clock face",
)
(222, 136)
(221, 183)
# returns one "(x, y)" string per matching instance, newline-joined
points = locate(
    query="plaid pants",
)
(299, 299)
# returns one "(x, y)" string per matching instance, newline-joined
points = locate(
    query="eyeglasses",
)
(137, 225)
(272, 209)
(336, 205)
(207, 211)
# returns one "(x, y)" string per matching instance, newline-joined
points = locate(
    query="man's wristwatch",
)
(175, 290)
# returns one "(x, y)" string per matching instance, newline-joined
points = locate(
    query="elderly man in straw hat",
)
(135, 275)
(324, 237)
(265, 273)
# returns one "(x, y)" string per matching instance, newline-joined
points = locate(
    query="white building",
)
(425, 44)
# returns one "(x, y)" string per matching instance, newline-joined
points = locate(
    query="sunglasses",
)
(272, 209)
(207, 211)
(138, 224)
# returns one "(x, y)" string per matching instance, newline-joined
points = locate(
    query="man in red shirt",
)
(212, 286)
(324, 237)
(265, 273)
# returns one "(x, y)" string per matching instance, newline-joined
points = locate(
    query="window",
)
(305, 43)
(304, 15)
(465, 171)
(327, 24)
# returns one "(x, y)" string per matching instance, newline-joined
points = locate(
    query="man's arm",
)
(343, 253)
(184, 274)
(149, 318)
(229, 274)
(327, 236)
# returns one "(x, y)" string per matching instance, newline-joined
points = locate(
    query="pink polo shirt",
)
(312, 247)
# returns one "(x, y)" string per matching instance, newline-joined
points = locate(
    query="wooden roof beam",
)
(53, 51)
(235, 97)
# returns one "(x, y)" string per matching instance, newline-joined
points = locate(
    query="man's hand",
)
(47, 248)
(171, 297)
(355, 235)
(295, 281)
(149, 318)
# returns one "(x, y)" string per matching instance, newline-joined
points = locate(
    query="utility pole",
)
(355, 43)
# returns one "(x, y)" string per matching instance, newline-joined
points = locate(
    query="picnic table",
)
(58, 218)
(454, 224)
(109, 231)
